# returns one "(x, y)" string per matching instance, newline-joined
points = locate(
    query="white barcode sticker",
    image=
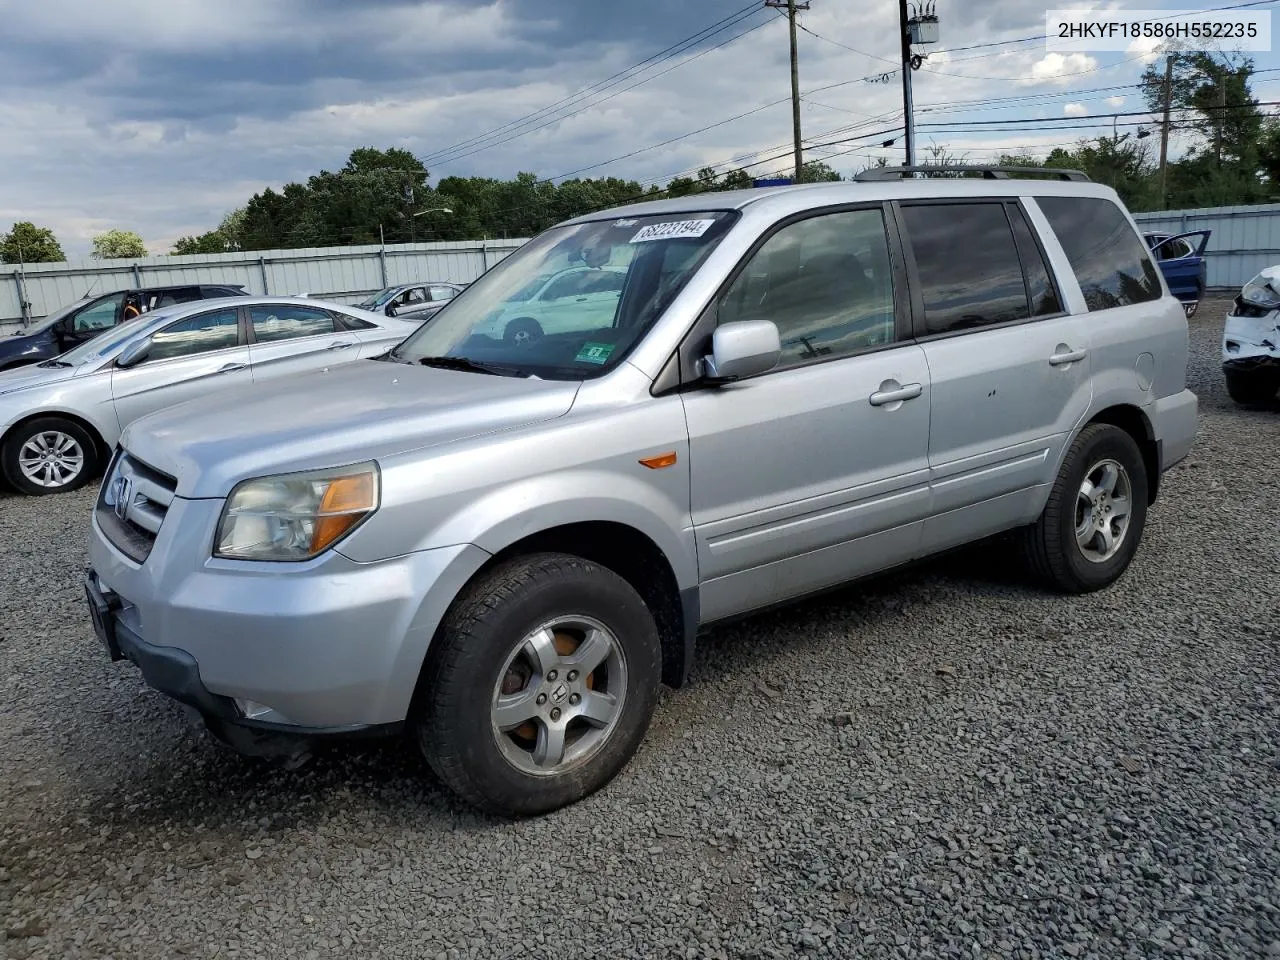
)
(674, 230)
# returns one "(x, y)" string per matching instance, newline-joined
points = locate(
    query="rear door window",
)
(287, 322)
(1110, 260)
(967, 265)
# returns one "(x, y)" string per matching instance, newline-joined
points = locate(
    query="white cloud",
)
(1145, 47)
(1075, 110)
(1060, 68)
(1115, 102)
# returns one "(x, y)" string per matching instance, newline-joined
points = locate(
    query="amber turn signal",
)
(344, 503)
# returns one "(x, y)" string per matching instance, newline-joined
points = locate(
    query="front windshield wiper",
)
(55, 363)
(470, 366)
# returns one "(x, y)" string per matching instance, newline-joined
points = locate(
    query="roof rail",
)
(988, 173)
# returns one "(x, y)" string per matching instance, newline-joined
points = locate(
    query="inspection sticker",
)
(594, 353)
(675, 229)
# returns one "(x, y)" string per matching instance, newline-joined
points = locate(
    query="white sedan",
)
(60, 419)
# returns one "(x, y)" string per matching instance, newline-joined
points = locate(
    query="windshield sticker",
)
(675, 229)
(594, 353)
(625, 223)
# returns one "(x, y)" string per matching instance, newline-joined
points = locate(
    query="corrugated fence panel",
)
(344, 274)
(1245, 240)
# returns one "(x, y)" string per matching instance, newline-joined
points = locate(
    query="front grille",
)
(132, 505)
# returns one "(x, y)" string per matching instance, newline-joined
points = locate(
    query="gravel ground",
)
(945, 763)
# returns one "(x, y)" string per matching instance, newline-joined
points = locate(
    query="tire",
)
(522, 330)
(482, 679)
(1053, 547)
(1252, 390)
(74, 463)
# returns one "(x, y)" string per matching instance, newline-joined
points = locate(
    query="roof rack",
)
(988, 173)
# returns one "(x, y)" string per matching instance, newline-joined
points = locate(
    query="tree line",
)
(386, 195)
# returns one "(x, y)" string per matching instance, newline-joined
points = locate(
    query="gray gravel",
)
(945, 763)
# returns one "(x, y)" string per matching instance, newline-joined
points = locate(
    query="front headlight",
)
(1260, 293)
(297, 515)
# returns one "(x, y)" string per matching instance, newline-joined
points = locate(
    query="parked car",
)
(1181, 259)
(503, 545)
(60, 419)
(423, 299)
(89, 318)
(564, 301)
(1251, 341)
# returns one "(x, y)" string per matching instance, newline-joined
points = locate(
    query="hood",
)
(356, 412)
(32, 375)
(33, 341)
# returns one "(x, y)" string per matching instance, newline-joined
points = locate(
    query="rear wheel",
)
(522, 331)
(49, 455)
(1097, 510)
(540, 686)
(1252, 389)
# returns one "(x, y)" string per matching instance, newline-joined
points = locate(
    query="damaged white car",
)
(1251, 341)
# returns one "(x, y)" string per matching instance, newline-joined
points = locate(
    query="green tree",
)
(227, 237)
(27, 243)
(118, 244)
(816, 171)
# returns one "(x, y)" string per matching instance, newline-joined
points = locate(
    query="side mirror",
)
(391, 310)
(134, 353)
(742, 350)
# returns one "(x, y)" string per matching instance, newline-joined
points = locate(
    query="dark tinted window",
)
(98, 315)
(286, 322)
(198, 334)
(570, 285)
(1109, 260)
(353, 323)
(1044, 297)
(967, 264)
(825, 282)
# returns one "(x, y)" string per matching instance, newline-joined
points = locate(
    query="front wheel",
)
(522, 331)
(1252, 389)
(540, 685)
(1091, 526)
(49, 455)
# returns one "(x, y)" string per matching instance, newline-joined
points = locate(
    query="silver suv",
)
(504, 544)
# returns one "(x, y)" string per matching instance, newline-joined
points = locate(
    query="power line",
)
(554, 113)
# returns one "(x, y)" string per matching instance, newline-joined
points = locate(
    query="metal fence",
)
(344, 274)
(1245, 239)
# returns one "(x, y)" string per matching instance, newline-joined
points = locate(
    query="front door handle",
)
(228, 367)
(341, 345)
(1065, 356)
(892, 392)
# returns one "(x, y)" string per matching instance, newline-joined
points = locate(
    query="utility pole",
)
(1164, 127)
(791, 7)
(908, 115)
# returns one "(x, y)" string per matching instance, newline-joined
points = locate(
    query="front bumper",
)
(175, 673)
(330, 646)
(1251, 342)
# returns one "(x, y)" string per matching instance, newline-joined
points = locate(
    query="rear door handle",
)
(883, 396)
(341, 345)
(228, 367)
(1070, 356)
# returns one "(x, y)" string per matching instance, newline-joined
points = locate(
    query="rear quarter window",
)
(1110, 260)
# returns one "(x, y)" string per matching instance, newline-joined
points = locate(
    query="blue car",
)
(89, 318)
(1182, 261)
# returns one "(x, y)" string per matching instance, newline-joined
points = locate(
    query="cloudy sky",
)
(161, 115)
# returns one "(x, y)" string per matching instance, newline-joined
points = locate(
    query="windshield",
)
(572, 302)
(379, 298)
(51, 319)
